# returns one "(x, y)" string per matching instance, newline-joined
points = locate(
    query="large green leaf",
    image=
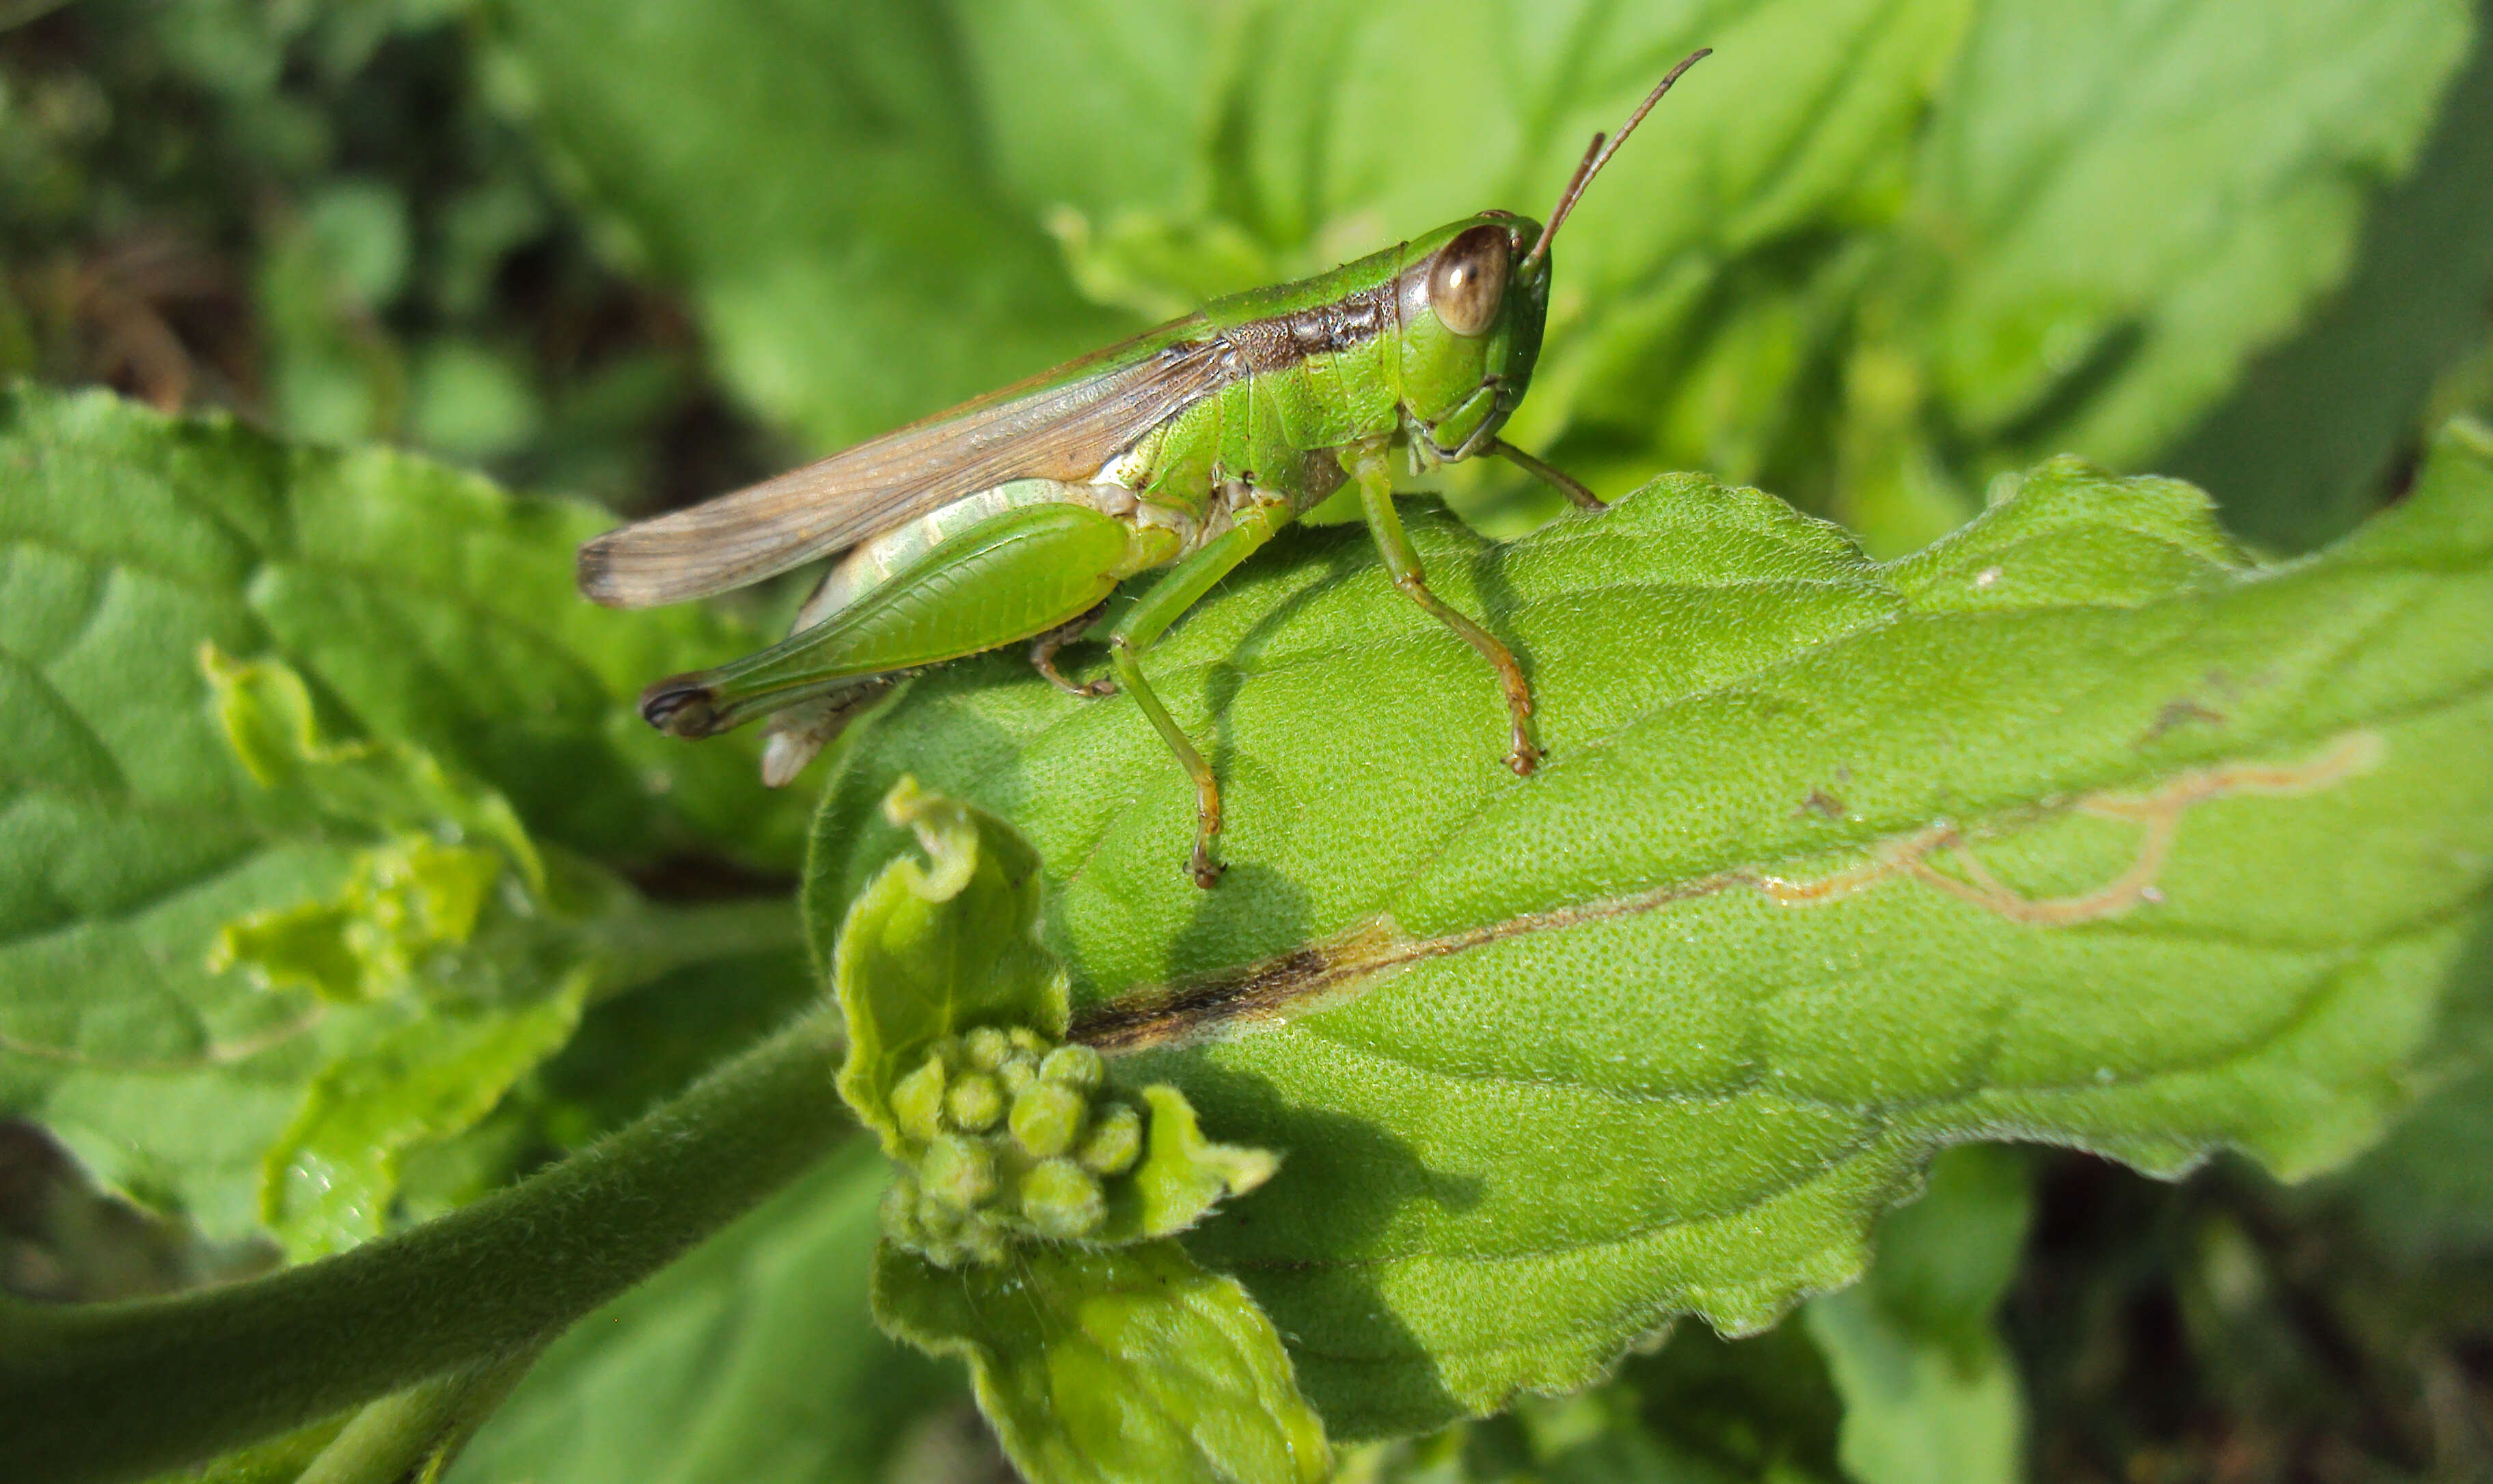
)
(426, 608)
(2074, 827)
(753, 1359)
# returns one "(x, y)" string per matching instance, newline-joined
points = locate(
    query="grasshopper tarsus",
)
(1203, 867)
(1079, 690)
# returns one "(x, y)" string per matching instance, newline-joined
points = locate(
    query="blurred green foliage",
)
(1871, 257)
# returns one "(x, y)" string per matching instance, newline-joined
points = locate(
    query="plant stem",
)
(652, 941)
(400, 1436)
(98, 1392)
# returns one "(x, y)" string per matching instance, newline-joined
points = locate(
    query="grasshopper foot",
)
(1093, 689)
(1203, 867)
(1524, 758)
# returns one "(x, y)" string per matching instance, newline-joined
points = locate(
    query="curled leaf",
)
(956, 1017)
(391, 786)
(1183, 1174)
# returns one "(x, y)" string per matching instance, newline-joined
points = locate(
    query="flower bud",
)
(986, 1048)
(1077, 1067)
(1018, 1072)
(958, 1171)
(974, 1103)
(1115, 1142)
(1025, 1039)
(1060, 1201)
(918, 1101)
(1047, 1118)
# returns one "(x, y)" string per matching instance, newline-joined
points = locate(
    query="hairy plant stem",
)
(98, 1392)
(398, 1438)
(654, 939)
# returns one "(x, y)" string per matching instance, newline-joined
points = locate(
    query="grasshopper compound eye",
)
(1468, 279)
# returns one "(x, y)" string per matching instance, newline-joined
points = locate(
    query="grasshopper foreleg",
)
(1555, 478)
(1044, 648)
(1367, 464)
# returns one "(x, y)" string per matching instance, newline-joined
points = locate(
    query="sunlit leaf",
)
(2076, 827)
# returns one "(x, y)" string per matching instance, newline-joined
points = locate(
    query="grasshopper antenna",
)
(1598, 153)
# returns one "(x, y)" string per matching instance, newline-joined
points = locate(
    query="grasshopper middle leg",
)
(1045, 649)
(1159, 607)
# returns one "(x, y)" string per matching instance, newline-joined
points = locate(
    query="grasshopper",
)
(1012, 517)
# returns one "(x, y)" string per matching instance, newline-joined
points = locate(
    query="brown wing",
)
(1062, 425)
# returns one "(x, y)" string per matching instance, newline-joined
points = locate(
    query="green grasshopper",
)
(1012, 517)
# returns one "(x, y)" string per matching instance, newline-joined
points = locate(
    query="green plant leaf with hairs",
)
(1130, 1365)
(419, 613)
(2076, 827)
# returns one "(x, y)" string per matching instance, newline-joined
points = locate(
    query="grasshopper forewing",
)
(1059, 425)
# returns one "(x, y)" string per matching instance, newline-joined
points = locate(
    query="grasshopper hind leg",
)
(681, 706)
(686, 706)
(1256, 517)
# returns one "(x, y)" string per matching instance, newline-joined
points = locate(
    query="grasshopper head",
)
(1473, 300)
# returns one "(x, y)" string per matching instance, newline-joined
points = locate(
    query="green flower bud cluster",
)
(1008, 1136)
